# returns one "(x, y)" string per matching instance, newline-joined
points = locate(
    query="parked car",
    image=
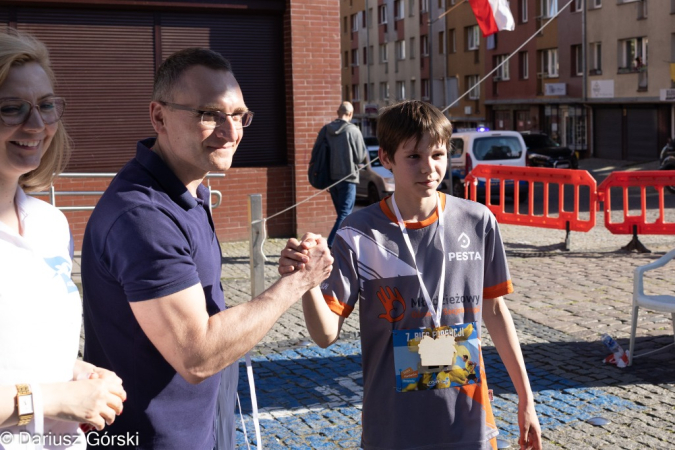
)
(542, 151)
(375, 182)
(473, 148)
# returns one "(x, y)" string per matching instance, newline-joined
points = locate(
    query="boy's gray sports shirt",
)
(374, 265)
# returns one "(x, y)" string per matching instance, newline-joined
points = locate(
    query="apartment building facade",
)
(631, 48)
(595, 75)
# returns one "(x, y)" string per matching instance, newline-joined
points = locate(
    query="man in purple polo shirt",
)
(154, 309)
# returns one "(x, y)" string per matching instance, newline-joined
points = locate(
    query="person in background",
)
(347, 151)
(44, 389)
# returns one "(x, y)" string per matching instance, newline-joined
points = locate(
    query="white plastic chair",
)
(662, 303)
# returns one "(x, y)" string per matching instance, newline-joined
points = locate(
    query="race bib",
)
(451, 352)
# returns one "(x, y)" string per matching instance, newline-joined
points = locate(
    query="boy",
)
(423, 373)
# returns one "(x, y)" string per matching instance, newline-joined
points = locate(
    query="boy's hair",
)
(169, 72)
(18, 49)
(411, 119)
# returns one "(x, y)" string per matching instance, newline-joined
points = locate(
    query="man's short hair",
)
(411, 119)
(345, 108)
(169, 72)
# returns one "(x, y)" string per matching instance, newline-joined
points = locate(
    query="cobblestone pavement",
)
(563, 301)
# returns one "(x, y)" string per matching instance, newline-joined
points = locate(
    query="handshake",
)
(308, 257)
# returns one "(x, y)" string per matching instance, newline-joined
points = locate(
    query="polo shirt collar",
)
(166, 178)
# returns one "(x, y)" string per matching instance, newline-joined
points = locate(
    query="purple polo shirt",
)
(147, 238)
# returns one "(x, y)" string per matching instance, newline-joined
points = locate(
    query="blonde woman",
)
(44, 390)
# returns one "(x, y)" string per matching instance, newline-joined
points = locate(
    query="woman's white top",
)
(40, 316)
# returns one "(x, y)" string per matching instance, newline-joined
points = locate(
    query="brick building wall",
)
(313, 84)
(312, 73)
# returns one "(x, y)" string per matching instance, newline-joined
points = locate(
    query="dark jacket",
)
(347, 150)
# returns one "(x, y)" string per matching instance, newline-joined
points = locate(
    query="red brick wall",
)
(312, 35)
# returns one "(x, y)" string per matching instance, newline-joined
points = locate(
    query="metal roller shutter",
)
(104, 63)
(254, 46)
(607, 133)
(641, 134)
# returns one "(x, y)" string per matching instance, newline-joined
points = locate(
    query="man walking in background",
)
(347, 150)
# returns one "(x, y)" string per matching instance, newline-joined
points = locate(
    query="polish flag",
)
(493, 15)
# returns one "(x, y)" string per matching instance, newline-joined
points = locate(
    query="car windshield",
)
(539, 141)
(373, 154)
(497, 147)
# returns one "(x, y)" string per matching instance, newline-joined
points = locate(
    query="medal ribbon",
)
(435, 313)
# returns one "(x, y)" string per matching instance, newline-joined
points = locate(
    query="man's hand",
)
(296, 254)
(316, 262)
(530, 431)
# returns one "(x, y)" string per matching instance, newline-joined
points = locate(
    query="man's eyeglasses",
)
(15, 112)
(213, 119)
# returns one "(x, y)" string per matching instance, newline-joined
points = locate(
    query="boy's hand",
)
(296, 254)
(530, 431)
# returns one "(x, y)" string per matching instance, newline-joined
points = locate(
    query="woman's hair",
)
(17, 49)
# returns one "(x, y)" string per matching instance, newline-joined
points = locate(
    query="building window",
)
(365, 56)
(441, 42)
(633, 53)
(370, 17)
(400, 90)
(370, 55)
(400, 50)
(412, 89)
(549, 63)
(425, 89)
(382, 14)
(503, 72)
(491, 42)
(452, 43)
(472, 37)
(345, 59)
(549, 8)
(642, 9)
(411, 49)
(344, 24)
(384, 90)
(412, 8)
(424, 45)
(578, 62)
(424, 5)
(523, 11)
(473, 86)
(366, 92)
(383, 53)
(345, 93)
(596, 58)
(524, 64)
(355, 92)
(597, 3)
(399, 9)
(355, 21)
(355, 57)
(578, 5)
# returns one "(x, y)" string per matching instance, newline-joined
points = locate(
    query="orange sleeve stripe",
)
(338, 307)
(499, 290)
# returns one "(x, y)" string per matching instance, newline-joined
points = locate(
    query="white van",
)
(473, 148)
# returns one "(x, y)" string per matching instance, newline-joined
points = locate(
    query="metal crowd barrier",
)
(52, 193)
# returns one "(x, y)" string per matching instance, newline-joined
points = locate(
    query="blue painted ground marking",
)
(310, 398)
